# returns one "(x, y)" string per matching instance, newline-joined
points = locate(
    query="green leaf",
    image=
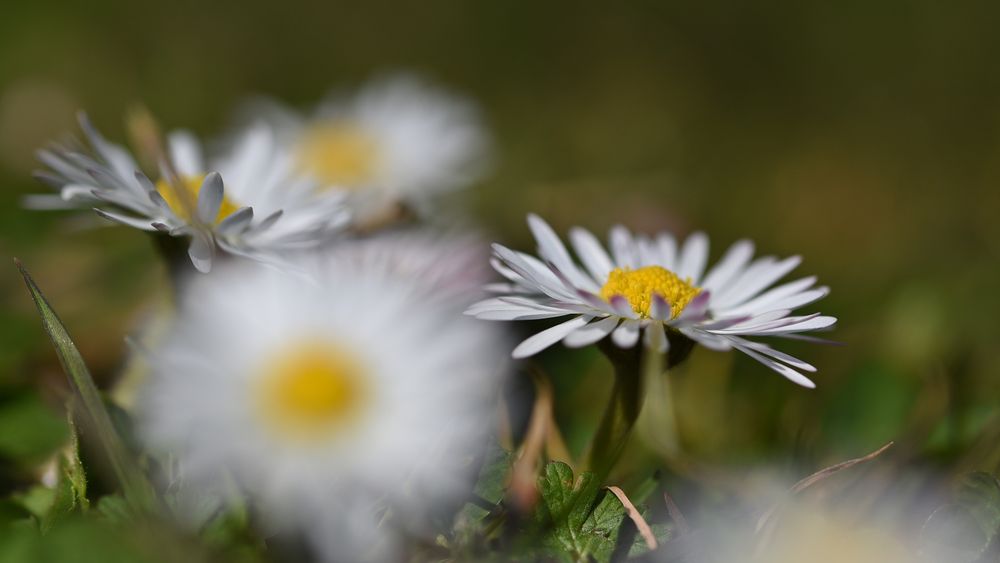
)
(584, 525)
(492, 482)
(71, 489)
(966, 530)
(134, 484)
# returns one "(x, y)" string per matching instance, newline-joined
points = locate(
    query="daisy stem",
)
(622, 409)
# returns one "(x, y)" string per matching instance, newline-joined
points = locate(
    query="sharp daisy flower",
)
(327, 399)
(262, 210)
(651, 285)
(397, 140)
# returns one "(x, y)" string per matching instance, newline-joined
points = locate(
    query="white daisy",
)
(263, 209)
(650, 285)
(397, 140)
(327, 399)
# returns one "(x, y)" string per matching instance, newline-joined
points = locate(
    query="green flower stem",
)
(622, 409)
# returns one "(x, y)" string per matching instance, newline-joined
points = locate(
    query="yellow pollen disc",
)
(184, 204)
(638, 286)
(339, 154)
(311, 390)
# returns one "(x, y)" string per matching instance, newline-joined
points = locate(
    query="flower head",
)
(398, 140)
(651, 286)
(329, 399)
(262, 209)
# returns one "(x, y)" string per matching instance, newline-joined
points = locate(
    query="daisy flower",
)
(263, 208)
(332, 401)
(654, 287)
(398, 140)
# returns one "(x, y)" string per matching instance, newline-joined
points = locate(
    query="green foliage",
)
(70, 495)
(583, 523)
(137, 490)
(966, 530)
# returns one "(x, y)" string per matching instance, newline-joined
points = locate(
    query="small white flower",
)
(263, 209)
(397, 140)
(327, 399)
(650, 285)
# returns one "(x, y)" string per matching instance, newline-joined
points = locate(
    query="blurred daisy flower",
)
(262, 209)
(653, 287)
(338, 420)
(452, 265)
(397, 141)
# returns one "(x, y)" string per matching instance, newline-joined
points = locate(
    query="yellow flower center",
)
(183, 199)
(339, 154)
(638, 287)
(312, 389)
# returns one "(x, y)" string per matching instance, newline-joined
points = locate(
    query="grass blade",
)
(134, 484)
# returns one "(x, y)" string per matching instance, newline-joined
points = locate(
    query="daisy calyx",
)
(244, 201)
(656, 288)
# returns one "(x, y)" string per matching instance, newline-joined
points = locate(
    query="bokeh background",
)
(864, 136)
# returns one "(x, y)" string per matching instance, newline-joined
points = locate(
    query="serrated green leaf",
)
(134, 484)
(599, 532)
(492, 482)
(582, 529)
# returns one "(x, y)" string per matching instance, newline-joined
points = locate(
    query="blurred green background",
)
(863, 136)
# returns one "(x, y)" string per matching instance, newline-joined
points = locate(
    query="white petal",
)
(742, 343)
(236, 221)
(185, 153)
(668, 251)
(729, 266)
(627, 334)
(200, 251)
(143, 223)
(708, 340)
(210, 198)
(697, 308)
(659, 309)
(591, 253)
(548, 337)
(694, 256)
(764, 300)
(755, 279)
(621, 306)
(553, 250)
(623, 248)
(591, 333)
(791, 374)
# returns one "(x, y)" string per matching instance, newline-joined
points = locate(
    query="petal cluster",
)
(247, 201)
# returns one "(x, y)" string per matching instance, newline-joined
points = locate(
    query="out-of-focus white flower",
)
(263, 209)
(397, 140)
(452, 266)
(328, 399)
(650, 285)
